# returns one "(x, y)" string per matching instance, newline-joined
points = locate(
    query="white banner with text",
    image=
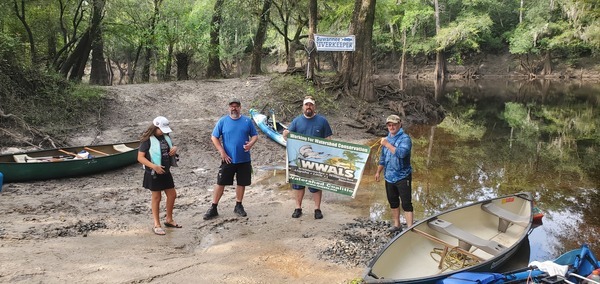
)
(335, 43)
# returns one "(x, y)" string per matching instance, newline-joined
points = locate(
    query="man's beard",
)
(309, 113)
(234, 114)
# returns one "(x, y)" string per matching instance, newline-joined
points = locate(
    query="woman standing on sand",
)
(156, 154)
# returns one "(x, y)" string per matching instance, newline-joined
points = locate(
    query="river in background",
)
(501, 137)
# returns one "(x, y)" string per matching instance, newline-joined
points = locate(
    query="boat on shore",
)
(67, 162)
(479, 236)
(266, 126)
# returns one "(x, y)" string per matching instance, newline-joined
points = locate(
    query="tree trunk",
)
(167, 74)
(440, 59)
(182, 60)
(547, 63)
(440, 65)
(401, 74)
(293, 47)
(99, 72)
(74, 65)
(291, 56)
(146, 66)
(259, 39)
(21, 15)
(135, 65)
(214, 64)
(357, 67)
(311, 46)
(151, 41)
(51, 50)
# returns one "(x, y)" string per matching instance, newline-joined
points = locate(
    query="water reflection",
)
(505, 137)
(502, 137)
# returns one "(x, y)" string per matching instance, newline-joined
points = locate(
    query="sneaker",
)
(211, 213)
(297, 213)
(318, 214)
(239, 209)
(394, 229)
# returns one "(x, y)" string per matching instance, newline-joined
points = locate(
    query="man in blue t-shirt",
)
(395, 159)
(233, 136)
(312, 124)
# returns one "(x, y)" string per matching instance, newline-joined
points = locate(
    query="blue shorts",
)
(299, 187)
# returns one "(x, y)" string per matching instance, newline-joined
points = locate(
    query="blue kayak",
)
(267, 128)
(581, 262)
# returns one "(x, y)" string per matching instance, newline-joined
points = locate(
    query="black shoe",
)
(239, 209)
(394, 229)
(211, 213)
(318, 214)
(297, 213)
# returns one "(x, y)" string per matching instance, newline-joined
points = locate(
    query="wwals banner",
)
(325, 164)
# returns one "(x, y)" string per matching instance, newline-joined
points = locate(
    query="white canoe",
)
(482, 235)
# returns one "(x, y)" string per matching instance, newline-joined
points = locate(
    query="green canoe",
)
(67, 162)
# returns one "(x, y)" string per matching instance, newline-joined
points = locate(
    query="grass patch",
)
(287, 93)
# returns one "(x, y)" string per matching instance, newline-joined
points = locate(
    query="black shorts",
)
(241, 171)
(400, 193)
(158, 182)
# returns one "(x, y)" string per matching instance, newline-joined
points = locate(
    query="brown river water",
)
(501, 137)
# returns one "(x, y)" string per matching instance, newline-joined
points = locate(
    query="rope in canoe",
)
(454, 259)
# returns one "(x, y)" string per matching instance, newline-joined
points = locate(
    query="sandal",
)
(159, 231)
(170, 225)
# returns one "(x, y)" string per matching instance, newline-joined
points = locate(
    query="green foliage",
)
(517, 116)
(465, 33)
(463, 126)
(356, 281)
(521, 41)
(9, 49)
(576, 122)
(461, 120)
(335, 15)
(45, 100)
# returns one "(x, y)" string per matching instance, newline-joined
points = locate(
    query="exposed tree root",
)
(37, 139)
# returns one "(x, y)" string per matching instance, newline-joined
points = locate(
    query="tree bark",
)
(167, 74)
(99, 72)
(214, 64)
(311, 46)
(357, 67)
(440, 59)
(547, 63)
(21, 15)
(259, 39)
(182, 60)
(440, 65)
(74, 65)
(401, 74)
(151, 41)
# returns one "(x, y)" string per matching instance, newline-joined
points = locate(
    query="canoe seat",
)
(506, 217)
(20, 158)
(122, 148)
(466, 239)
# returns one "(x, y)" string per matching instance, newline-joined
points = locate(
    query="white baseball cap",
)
(393, 119)
(308, 100)
(162, 123)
